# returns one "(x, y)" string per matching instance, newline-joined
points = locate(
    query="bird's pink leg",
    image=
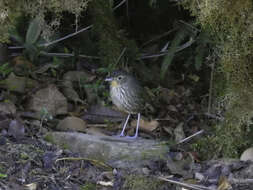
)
(124, 127)
(137, 128)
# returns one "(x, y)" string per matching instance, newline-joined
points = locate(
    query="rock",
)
(75, 76)
(16, 129)
(102, 114)
(17, 84)
(50, 100)
(7, 108)
(71, 124)
(247, 155)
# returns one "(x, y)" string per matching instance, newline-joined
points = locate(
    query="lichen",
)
(137, 182)
(229, 23)
(11, 10)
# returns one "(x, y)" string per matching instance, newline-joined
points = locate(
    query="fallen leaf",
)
(224, 184)
(172, 108)
(146, 125)
(179, 132)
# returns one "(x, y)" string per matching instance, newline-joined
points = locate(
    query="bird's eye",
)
(120, 77)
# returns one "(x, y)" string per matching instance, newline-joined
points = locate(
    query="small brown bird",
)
(127, 95)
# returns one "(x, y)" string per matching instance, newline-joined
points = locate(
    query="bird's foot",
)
(131, 137)
(120, 136)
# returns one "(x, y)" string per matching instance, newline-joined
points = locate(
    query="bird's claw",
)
(131, 137)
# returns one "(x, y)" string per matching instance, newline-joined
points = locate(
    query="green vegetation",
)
(136, 182)
(229, 24)
(226, 35)
(89, 186)
(111, 41)
(12, 10)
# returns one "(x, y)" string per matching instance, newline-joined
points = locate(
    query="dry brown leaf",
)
(224, 184)
(179, 132)
(172, 108)
(146, 125)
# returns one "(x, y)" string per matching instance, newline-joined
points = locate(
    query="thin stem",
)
(120, 56)
(210, 89)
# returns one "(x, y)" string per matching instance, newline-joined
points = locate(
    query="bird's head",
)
(118, 78)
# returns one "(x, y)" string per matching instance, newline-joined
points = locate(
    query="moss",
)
(229, 23)
(11, 10)
(3, 168)
(88, 186)
(111, 40)
(225, 140)
(137, 182)
(24, 156)
(49, 138)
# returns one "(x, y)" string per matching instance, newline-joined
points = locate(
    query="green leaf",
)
(3, 175)
(172, 50)
(200, 50)
(14, 34)
(33, 31)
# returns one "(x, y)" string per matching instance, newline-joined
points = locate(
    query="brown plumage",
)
(127, 95)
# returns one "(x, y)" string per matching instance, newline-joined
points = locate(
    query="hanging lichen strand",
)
(229, 22)
(11, 10)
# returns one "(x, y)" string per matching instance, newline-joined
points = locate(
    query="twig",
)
(210, 89)
(120, 56)
(55, 41)
(190, 137)
(95, 162)
(119, 5)
(60, 55)
(65, 37)
(187, 44)
(69, 55)
(189, 25)
(158, 37)
(187, 185)
(240, 181)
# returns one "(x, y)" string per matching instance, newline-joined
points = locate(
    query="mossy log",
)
(117, 152)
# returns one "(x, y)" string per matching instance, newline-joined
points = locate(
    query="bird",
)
(127, 94)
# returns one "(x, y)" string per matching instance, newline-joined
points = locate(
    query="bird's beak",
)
(108, 79)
